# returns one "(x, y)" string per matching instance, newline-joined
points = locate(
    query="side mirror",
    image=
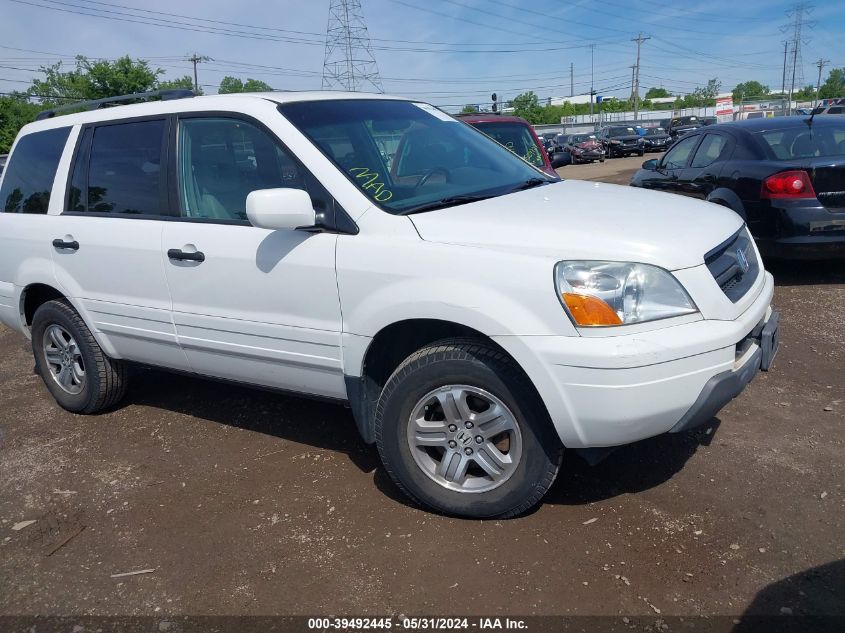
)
(280, 209)
(650, 164)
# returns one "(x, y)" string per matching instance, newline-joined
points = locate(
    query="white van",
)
(477, 315)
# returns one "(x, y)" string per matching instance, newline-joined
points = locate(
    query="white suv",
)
(476, 315)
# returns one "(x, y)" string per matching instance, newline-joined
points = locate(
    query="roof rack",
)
(164, 95)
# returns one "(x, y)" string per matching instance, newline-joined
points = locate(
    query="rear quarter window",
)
(28, 178)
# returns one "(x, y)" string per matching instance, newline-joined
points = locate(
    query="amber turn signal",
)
(590, 311)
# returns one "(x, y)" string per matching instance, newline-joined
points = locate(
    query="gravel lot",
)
(247, 502)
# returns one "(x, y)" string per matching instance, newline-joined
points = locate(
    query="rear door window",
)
(710, 150)
(29, 175)
(121, 171)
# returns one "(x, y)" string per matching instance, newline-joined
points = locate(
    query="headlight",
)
(619, 293)
(615, 142)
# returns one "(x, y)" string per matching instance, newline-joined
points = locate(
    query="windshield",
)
(581, 138)
(516, 137)
(655, 131)
(802, 141)
(404, 155)
(622, 131)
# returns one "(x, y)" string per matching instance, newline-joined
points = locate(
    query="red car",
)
(516, 134)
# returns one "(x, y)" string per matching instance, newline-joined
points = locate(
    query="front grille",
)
(734, 265)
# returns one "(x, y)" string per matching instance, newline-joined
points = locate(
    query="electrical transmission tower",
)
(349, 63)
(799, 14)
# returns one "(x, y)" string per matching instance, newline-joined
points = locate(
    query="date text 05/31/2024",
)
(415, 624)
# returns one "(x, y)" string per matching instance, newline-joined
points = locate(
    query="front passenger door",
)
(667, 176)
(249, 304)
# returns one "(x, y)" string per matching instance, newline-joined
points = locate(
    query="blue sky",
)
(448, 52)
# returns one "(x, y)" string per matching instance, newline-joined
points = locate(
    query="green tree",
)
(657, 93)
(16, 110)
(230, 85)
(182, 83)
(834, 85)
(469, 109)
(527, 106)
(255, 85)
(94, 80)
(750, 90)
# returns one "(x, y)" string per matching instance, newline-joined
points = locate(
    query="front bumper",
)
(759, 350)
(604, 391)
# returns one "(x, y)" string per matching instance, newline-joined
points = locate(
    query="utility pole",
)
(639, 40)
(592, 90)
(783, 83)
(633, 68)
(819, 64)
(196, 59)
(571, 79)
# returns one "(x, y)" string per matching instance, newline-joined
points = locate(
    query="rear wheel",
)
(461, 430)
(74, 368)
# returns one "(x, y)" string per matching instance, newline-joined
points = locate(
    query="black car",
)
(683, 125)
(656, 139)
(785, 176)
(620, 140)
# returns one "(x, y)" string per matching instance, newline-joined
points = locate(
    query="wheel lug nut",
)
(468, 451)
(478, 439)
(469, 425)
(453, 428)
(452, 443)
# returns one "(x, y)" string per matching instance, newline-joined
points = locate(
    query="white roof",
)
(234, 102)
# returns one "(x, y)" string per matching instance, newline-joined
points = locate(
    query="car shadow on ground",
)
(318, 423)
(329, 426)
(629, 469)
(813, 600)
(806, 273)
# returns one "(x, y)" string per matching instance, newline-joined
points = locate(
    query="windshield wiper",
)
(530, 184)
(450, 201)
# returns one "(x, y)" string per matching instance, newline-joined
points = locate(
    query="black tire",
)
(473, 363)
(641, 153)
(105, 378)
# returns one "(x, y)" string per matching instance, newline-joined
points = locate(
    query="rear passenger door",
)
(107, 241)
(26, 195)
(249, 304)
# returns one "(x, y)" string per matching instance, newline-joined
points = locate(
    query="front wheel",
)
(460, 429)
(74, 368)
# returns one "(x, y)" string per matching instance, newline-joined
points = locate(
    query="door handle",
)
(179, 254)
(63, 245)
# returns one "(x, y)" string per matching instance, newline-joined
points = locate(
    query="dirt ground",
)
(247, 502)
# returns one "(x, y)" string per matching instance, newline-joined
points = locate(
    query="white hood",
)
(576, 219)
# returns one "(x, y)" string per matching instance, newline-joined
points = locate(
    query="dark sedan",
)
(656, 139)
(620, 141)
(785, 176)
